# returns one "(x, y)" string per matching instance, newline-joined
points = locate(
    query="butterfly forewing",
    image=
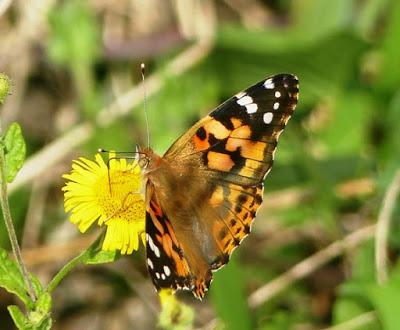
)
(210, 181)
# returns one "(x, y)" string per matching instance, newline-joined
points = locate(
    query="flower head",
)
(109, 195)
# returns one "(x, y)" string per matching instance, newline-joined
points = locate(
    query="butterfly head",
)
(149, 161)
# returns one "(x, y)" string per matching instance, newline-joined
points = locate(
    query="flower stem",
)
(10, 226)
(71, 265)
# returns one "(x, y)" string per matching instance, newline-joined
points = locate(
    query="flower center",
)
(119, 195)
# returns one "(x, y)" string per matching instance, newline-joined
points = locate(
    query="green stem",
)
(4, 90)
(71, 265)
(10, 226)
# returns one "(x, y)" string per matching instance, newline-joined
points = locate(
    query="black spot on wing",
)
(201, 133)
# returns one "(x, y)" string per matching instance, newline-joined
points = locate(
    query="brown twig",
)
(382, 228)
(54, 152)
(307, 266)
(57, 252)
(358, 322)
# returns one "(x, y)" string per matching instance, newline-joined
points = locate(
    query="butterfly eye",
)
(143, 162)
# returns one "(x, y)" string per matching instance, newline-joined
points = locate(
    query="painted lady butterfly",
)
(203, 194)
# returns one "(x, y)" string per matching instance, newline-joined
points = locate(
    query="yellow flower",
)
(111, 196)
(174, 314)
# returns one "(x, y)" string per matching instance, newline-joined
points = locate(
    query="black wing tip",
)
(284, 77)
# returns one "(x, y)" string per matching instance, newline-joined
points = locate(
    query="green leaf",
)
(350, 114)
(386, 301)
(346, 309)
(101, 257)
(4, 87)
(18, 317)
(228, 286)
(44, 302)
(12, 280)
(390, 70)
(37, 320)
(317, 19)
(45, 324)
(15, 151)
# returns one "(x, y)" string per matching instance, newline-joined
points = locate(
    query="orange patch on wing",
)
(172, 233)
(200, 144)
(253, 150)
(250, 168)
(218, 161)
(236, 122)
(242, 132)
(217, 129)
(248, 203)
(248, 149)
(217, 196)
(157, 210)
(167, 245)
(158, 225)
(216, 230)
(181, 266)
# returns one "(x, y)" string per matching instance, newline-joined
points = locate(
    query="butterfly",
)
(203, 194)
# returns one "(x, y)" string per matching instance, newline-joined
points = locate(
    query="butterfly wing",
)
(165, 260)
(210, 182)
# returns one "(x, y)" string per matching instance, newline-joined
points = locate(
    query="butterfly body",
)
(203, 194)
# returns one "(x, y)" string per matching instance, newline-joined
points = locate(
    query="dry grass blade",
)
(359, 322)
(309, 265)
(382, 228)
(54, 152)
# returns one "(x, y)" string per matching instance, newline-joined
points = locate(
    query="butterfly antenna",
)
(101, 150)
(142, 69)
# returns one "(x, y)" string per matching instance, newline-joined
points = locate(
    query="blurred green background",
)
(339, 153)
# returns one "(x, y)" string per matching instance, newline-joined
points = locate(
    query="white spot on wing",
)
(167, 271)
(157, 251)
(269, 84)
(158, 275)
(163, 276)
(150, 242)
(251, 108)
(245, 100)
(277, 94)
(268, 117)
(276, 105)
(150, 263)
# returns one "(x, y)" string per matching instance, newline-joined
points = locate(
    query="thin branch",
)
(359, 322)
(382, 228)
(54, 253)
(304, 268)
(54, 152)
(309, 265)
